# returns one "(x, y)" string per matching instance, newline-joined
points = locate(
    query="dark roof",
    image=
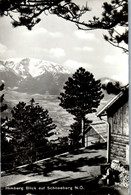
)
(112, 101)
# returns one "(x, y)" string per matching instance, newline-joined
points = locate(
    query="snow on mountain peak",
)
(38, 67)
(31, 66)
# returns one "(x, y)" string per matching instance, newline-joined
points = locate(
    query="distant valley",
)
(33, 78)
(60, 117)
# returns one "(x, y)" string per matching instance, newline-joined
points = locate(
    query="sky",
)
(57, 40)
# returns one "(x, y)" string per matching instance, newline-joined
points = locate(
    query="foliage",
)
(6, 147)
(30, 125)
(82, 95)
(28, 128)
(75, 134)
(112, 88)
(3, 107)
(27, 12)
(114, 17)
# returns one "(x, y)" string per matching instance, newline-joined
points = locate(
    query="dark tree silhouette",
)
(115, 15)
(3, 107)
(75, 134)
(30, 124)
(27, 12)
(29, 128)
(112, 88)
(82, 96)
(114, 19)
(6, 147)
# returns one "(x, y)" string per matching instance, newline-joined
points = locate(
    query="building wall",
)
(119, 134)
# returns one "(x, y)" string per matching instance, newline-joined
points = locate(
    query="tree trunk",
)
(83, 131)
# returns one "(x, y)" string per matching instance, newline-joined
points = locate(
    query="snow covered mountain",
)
(33, 75)
(31, 66)
(30, 75)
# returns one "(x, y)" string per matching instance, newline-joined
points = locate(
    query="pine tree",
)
(82, 96)
(112, 18)
(75, 134)
(3, 107)
(112, 88)
(6, 146)
(27, 13)
(30, 126)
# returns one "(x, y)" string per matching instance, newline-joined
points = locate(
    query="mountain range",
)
(27, 78)
(30, 75)
(33, 75)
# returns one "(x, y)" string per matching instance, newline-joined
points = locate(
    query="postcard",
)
(64, 87)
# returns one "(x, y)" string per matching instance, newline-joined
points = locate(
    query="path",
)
(69, 173)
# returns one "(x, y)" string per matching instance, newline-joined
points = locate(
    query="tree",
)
(112, 88)
(75, 134)
(27, 12)
(114, 19)
(82, 95)
(31, 124)
(3, 107)
(6, 147)
(115, 15)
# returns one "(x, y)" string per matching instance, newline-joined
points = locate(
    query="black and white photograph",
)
(64, 94)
